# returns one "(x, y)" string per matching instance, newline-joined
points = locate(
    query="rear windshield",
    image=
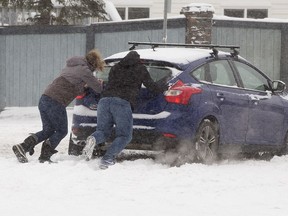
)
(158, 71)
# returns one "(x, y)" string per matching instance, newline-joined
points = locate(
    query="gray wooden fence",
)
(263, 44)
(31, 56)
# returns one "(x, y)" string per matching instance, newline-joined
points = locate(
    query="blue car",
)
(217, 104)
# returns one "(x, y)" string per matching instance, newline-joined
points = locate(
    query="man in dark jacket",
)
(77, 75)
(115, 106)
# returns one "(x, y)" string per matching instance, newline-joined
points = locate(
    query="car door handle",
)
(254, 100)
(220, 95)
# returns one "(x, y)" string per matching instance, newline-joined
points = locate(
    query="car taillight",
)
(169, 135)
(80, 96)
(180, 93)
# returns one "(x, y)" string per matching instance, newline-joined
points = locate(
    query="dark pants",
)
(54, 121)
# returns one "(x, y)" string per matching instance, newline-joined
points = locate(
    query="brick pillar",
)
(198, 23)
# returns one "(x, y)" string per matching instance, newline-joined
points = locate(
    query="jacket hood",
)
(130, 59)
(75, 61)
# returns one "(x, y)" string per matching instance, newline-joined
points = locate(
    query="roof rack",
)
(210, 46)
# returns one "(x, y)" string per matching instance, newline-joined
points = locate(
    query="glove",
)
(165, 87)
(31, 151)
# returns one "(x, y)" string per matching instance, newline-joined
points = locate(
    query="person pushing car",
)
(72, 81)
(116, 104)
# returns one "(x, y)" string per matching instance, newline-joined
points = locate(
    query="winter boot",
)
(46, 152)
(28, 145)
(87, 151)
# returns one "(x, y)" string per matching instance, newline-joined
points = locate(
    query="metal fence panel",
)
(262, 47)
(109, 43)
(33, 61)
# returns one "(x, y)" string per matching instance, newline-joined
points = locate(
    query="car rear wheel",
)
(284, 150)
(207, 142)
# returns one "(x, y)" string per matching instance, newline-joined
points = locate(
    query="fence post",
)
(198, 23)
(90, 38)
(284, 54)
(2, 78)
(2, 74)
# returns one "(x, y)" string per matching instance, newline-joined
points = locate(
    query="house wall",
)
(276, 8)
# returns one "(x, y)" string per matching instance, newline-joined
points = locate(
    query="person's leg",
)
(54, 124)
(28, 144)
(104, 120)
(122, 116)
(58, 117)
(103, 129)
(45, 106)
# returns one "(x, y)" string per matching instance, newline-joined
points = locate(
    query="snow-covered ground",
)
(141, 187)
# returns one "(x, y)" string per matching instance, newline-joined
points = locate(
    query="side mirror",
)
(278, 86)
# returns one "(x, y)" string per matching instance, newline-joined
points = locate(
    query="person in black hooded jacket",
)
(116, 104)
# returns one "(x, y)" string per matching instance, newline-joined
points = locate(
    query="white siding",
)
(276, 8)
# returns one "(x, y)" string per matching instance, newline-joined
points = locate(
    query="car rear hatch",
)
(148, 102)
(165, 65)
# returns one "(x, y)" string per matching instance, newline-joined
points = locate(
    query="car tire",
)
(73, 149)
(207, 142)
(284, 150)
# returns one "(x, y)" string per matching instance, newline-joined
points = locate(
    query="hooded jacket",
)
(72, 80)
(126, 77)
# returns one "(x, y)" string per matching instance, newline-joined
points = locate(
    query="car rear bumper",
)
(143, 139)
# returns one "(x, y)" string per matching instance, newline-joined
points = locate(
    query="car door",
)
(266, 110)
(231, 102)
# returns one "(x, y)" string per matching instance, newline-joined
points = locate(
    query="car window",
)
(199, 74)
(251, 78)
(221, 73)
(218, 72)
(157, 73)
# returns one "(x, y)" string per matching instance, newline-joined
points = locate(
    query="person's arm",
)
(150, 84)
(93, 82)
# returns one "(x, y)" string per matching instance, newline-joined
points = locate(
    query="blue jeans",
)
(114, 111)
(54, 121)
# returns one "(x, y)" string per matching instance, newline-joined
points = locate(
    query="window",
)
(247, 13)
(200, 74)
(121, 12)
(159, 72)
(234, 13)
(257, 13)
(221, 73)
(138, 13)
(251, 78)
(133, 12)
(216, 72)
